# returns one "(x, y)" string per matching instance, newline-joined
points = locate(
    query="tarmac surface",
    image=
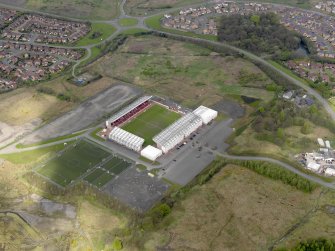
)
(137, 189)
(196, 158)
(85, 115)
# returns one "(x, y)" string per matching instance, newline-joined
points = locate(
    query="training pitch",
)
(73, 163)
(107, 171)
(151, 122)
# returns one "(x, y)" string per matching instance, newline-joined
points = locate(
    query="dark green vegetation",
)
(314, 245)
(271, 120)
(151, 122)
(259, 34)
(73, 162)
(269, 170)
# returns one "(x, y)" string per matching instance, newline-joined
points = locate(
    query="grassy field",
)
(15, 232)
(99, 178)
(160, 65)
(139, 7)
(151, 122)
(27, 157)
(128, 21)
(73, 163)
(81, 9)
(101, 30)
(116, 165)
(241, 210)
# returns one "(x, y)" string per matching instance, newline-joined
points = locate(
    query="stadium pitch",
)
(152, 121)
(73, 163)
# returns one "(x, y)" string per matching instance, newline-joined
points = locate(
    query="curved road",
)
(141, 24)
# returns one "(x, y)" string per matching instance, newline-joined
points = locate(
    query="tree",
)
(117, 244)
(256, 19)
(306, 128)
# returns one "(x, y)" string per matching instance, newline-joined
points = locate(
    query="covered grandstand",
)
(126, 139)
(206, 114)
(129, 111)
(177, 132)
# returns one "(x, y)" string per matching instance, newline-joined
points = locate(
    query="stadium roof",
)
(205, 113)
(126, 139)
(176, 132)
(129, 108)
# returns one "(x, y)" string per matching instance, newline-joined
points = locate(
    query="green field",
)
(73, 163)
(99, 178)
(128, 21)
(99, 32)
(151, 122)
(116, 165)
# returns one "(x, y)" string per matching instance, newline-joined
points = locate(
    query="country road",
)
(142, 25)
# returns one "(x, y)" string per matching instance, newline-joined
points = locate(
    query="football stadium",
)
(153, 128)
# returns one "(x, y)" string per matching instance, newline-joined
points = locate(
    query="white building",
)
(315, 167)
(327, 144)
(126, 139)
(330, 171)
(177, 132)
(151, 153)
(206, 114)
(321, 142)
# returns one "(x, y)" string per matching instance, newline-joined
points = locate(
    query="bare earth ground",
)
(240, 210)
(88, 113)
(25, 109)
(186, 73)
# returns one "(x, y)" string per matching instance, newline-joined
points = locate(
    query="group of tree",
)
(314, 245)
(271, 120)
(259, 34)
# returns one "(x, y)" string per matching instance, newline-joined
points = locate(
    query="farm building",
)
(177, 132)
(151, 153)
(129, 111)
(206, 114)
(126, 139)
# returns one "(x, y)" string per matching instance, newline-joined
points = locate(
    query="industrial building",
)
(177, 132)
(206, 114)
(126, 139)
(151, 153)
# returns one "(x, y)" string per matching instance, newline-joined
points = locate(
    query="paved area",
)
(137, 189)
(85, 115)
(196, 158)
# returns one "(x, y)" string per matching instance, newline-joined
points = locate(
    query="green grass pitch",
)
(73, 163)
(116, 165)
(99, 178)
(151, 122)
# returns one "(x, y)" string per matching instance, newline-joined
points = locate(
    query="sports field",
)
(151, 122)
(73, 163)
(108, 171)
